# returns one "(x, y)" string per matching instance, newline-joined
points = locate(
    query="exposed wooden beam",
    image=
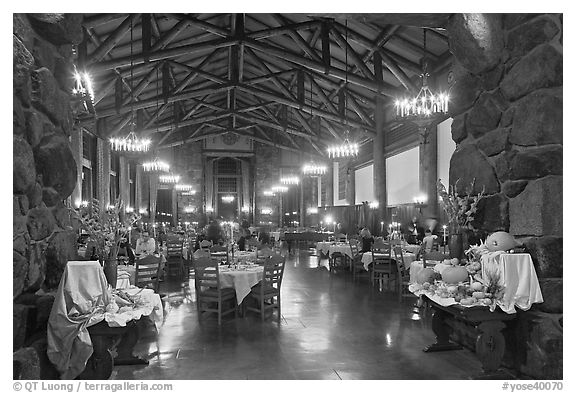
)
(302, 44)
(272, 32)
(202, 24)
(113, 38)
(100, 19)
(163, 54)
(356, 59)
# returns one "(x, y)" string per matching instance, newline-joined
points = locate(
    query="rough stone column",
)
(429, 170)
(103, 174)
(124, 181)
(139, 190)
(174, 198)
(301, 204)
(153, 197)
(379, 146)
(76, 147)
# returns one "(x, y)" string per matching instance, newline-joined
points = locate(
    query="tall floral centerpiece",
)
(106, 229)
(460, 211)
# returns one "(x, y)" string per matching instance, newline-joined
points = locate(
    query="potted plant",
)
(460, 211)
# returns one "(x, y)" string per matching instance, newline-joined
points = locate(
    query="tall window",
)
(227, 185)
(114, 177)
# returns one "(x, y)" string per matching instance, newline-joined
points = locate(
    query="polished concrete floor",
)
(331, 328)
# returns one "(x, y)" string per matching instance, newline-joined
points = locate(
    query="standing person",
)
(414, 231)
(367, 239)
(145, 245)
(428, 242)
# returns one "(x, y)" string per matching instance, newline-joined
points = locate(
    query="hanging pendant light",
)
(313, 169)
(426, 107)
(155, 166)
(130, 143)
(346, 149)
(169, 178)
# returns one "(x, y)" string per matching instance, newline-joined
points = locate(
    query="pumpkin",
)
(476, 286)
(501, 241)
(425, 275)
(454, 275)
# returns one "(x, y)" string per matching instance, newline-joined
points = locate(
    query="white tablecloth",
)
(126, 276)
(408, 259)
(522, 288)
(244, 256)
(328, 248)
(242, 280)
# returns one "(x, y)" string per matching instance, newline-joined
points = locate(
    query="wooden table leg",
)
(442, 331)
(126, 346)
(490, 345)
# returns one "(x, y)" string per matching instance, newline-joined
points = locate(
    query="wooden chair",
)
(267, 292)
(146, 273)
(205, 244)
(402, 273)
(356, 260)
(217, 252)
(382, 264)
(433, 256)
(210, 297)
(175, 257)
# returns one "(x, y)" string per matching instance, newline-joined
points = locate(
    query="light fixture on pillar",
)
(130, 143)
(420, 202)
(426, 107)
(346, 149)
(313, 169)
(83, 89)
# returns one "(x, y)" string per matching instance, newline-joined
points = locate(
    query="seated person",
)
(125, 249)
(366, 240)
(145, 245)
(244, 234)
(428, 241)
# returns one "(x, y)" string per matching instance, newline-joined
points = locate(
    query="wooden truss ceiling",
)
(292, 80)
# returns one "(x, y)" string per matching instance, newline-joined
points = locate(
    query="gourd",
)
(425, 275)
(501, 241)
(454, 275)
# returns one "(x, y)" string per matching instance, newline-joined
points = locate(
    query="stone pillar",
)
(379, 153)
(174, 207)
(350, 184)
(245, 187)
(328, 184)
(153, 197)
(103, 174)
(139, 184)
(76, 147)
(429, 170)
(124, 181)
(301, 204)
(209, 184)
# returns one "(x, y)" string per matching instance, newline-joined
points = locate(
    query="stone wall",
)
(44, 171)
(507, 110)
(267, 171)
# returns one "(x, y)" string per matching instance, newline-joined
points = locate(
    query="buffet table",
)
(81, 302)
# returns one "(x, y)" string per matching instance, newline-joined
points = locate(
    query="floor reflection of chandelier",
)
(155, 166)
(169, 179)
(130, 144)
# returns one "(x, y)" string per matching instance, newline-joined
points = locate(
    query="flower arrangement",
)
(459, 209)
(106, 228)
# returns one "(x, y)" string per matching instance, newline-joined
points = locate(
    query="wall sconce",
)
(374, 205)
(312, 210)
(245, 209)
(209, 209)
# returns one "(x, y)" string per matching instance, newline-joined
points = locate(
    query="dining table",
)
(330, 248)
(241, 277)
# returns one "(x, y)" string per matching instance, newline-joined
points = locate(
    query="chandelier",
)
(228, 198)
(314, 169)
(276, 189)
(169, 179)
(426, 107)
(345, 149)
(289, 180)
(183, 187)
(155, 166)
(130, 144)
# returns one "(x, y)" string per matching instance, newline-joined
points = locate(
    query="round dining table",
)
(240, 277)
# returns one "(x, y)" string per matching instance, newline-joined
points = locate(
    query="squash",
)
(425, 275)
(454, 275)
(501, 241)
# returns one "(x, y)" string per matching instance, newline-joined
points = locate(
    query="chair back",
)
(174, 247)
(403, 272)
(354, 248)
(206, 274)
(219, 249)
(379, 243)
(432, 256)
(273, 271)
(147, 270)
(205, 244)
